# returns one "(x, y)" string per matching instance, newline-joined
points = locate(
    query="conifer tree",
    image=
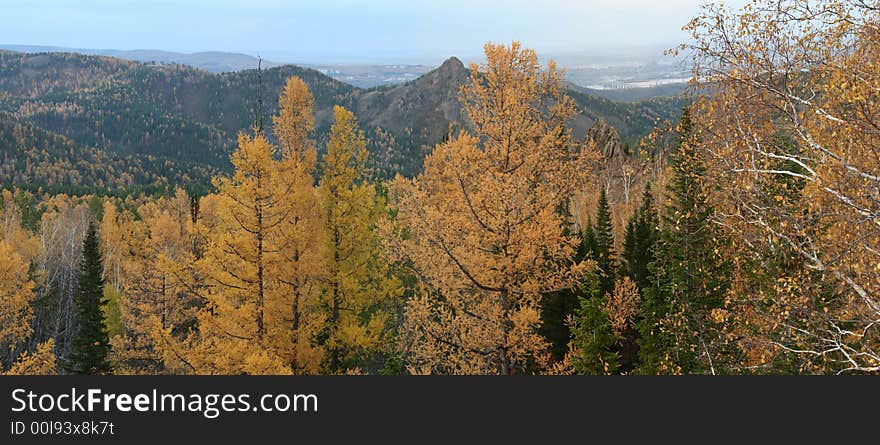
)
(641, 234)
(558, 307)
(483, 231)
(593, 340)
(604, 253)
(263, 261)
(16, 297)
(359, 285)
(689, 278)
(91, 344)
(260, 264)
(590, 246)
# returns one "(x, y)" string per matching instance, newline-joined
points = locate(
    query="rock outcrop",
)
(606, 139)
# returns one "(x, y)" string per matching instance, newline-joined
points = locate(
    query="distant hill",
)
(211, 61)
(32, 157)
(362, 76)
(174, 124)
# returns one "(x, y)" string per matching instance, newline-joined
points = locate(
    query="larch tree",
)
(360, 287)
(90, 345)
(263, 260)
(246, 325)
(304, 226)
(295, 121)
(164, 285)
(16, 316)
(482, 228)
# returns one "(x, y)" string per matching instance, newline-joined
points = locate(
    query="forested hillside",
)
(531, 236)
(175, 125)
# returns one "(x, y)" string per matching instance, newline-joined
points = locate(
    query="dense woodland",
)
(742, 238)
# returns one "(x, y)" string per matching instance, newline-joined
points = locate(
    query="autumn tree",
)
(22, 349)
(250, 266)
(293, 126)
(360, 287)
(163, 283)
(90, 344)
(63, 224)
(803, 72)
(482, 230)
(16, 296)
(263, 259)
(295, 121)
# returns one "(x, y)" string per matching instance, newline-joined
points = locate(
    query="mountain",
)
(211, 61)
(174, 124)
(362, 76)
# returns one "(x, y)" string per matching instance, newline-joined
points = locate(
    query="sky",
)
(348, 31)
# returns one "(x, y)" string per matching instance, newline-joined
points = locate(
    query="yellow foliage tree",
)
(359, 284)
(16, 315)
(164, 284)
(263, 262)
(482, 224)
(257, 319)
(295, 121)
(791, 129)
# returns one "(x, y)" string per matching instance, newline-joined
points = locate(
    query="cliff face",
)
(606, 138)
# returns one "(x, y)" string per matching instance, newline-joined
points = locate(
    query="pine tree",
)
(604, 253)
(689, 278)
(641, 234)
(90, 344)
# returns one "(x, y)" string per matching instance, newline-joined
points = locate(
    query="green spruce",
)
(689, 278)
(604, 253)
(90, 344)
(642, 231)
(595, 344)
(558, 307)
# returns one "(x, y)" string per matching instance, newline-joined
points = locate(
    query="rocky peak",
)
(452, 66)
(606, 138)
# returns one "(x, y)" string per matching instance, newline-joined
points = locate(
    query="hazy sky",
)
(346, 30)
